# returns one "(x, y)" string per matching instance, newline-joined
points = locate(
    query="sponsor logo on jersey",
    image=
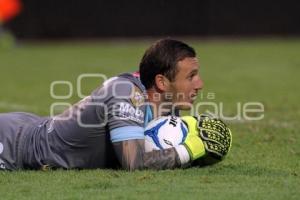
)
(137, 98)
(1, 147)
(2, 166)
(127, 111)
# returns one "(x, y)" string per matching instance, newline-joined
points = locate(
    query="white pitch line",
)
(237, 121)
(14, 106)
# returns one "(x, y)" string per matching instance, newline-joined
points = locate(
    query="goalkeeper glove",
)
(215, 135)
(193, 142)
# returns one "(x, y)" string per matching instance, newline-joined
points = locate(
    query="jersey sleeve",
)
(123, 110)
(125, 122)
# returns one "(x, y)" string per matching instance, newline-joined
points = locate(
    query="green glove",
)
(193, 142)
(215, 135)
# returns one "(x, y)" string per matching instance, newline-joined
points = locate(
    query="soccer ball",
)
(164, 132)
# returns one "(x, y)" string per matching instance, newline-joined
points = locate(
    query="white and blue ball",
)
(165, 132)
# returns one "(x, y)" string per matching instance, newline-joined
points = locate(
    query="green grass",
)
(264, 162)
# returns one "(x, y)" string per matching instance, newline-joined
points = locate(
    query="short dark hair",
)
(162, 58)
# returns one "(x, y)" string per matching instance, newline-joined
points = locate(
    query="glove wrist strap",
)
(183, 154)
(195, 147)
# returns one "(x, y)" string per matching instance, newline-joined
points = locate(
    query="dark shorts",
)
(11, 134)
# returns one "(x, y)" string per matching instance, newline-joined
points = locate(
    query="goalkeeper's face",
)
(184, 88)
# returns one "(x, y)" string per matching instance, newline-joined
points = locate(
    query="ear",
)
(162, 82)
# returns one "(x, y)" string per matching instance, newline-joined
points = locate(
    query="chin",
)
(184, 106)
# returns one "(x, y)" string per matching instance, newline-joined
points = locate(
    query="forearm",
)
(132, 155)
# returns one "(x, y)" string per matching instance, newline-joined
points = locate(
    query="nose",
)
(199, 83)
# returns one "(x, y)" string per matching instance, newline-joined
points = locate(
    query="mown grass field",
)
(264, 162)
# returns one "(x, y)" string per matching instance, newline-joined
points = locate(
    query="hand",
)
(193, 142)
(215, 135)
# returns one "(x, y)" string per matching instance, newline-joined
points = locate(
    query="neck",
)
(156, 100)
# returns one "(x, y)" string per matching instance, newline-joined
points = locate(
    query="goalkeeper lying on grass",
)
(106, 129)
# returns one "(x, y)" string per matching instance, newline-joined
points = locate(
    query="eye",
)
(191, 76)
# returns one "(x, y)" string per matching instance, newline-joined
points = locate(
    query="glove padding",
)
(215, 135)
(193, 142)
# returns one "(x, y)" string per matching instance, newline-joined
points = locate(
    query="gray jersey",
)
(104, 130)
(82, 136)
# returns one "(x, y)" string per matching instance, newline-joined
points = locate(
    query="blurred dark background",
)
(52, 19)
